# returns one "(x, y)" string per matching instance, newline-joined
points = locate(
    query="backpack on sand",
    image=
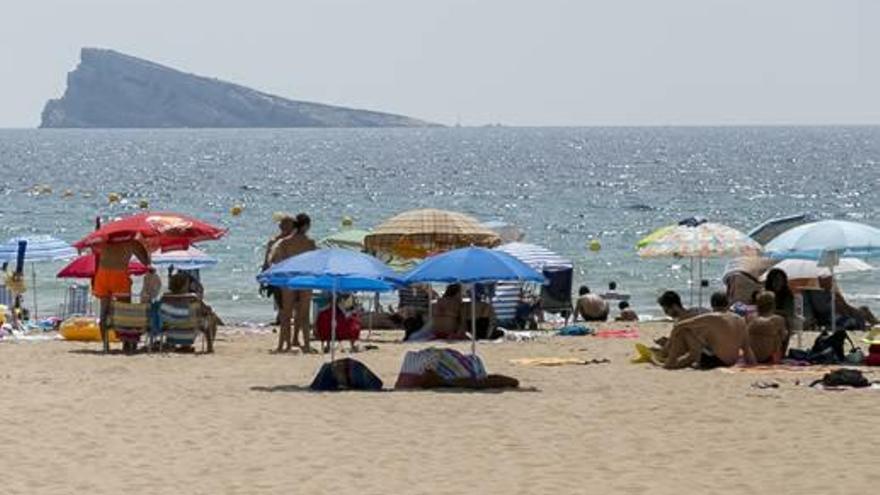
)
(843, 377)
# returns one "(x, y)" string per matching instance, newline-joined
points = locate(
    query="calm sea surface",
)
(561, 186)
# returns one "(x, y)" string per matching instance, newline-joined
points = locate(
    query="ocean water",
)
(562, 186)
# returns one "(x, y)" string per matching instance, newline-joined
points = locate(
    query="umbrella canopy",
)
(704, 240)
(84, 267)
(342, 267)
(418, 233)
(753, 266)
(813, 240)
(40, 248)
(165, 231)
(770, 229)
(347, 239)
(472, 265)
(653, 236)
(189, 259)
(801, 269)
(335, 270)
(535, 256)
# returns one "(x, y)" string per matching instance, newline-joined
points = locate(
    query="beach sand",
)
(242, 421)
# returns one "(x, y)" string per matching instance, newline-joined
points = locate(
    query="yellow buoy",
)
(595, 245)
(113, 198)
(347, 221)
(236, 210)
(143, 204)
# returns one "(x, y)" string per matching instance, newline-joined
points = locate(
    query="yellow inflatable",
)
(83, 329)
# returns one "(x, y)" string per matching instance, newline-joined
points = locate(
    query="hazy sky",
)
(518, 62)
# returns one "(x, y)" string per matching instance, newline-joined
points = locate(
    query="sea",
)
(563, 187)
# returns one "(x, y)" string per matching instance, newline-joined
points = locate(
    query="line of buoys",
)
(113, 198)
(594, 245)
(236, 210)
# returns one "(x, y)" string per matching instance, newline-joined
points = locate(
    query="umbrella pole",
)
(34, 282)
(473, 319)
(333, 326)
(700, 282)
(833, 301)
(691, 282)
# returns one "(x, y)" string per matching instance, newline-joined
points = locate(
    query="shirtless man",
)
(112, 280)
(853, 318)
(294, 303)
(671, 304)
(708, 341)
(447, 316)
(767, 332)
(590, 307)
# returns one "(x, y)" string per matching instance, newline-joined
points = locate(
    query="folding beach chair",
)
(129, 320)
(556, 293)
(77, 301)
(183, 319)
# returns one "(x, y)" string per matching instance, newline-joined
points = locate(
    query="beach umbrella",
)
(84, 267)
(157, 230)
(770, 229)
(827, 242)
(535, 256)
(472, 266)
(797, 269)
(352, 239)
(701, 241)
(188, 259)
(39, 249)
(334, 270)
(420, 233)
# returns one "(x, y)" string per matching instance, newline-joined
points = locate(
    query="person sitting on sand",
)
(671, 304)
(849, 317)
(590, 307)
(348, 325)
(447, 318)
(767, 332)
(626, 312)
(486, 320)
(719, 302)
(706, 341)
(112, 280)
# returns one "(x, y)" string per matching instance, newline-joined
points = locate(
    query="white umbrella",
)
(801, 269)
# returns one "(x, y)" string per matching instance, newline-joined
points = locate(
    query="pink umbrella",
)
(84, 267)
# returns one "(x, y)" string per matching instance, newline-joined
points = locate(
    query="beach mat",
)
(556, 361)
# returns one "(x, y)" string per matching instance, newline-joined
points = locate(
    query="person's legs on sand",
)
(285, 314)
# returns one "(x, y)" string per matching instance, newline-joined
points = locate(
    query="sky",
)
(514, 62)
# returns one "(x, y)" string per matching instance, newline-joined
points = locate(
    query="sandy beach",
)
(243, 421)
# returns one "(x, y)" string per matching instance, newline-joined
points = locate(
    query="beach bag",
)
(844, 377)
(828, 347)
(345, 374)
(574, 331)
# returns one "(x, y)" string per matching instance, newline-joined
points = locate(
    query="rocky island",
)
(109, 89)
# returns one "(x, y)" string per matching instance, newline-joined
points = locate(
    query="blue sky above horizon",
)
(539, 62)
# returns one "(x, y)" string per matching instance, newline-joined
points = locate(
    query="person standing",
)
(151, 293)
(112, 280)
(295, 304)
(286, 228)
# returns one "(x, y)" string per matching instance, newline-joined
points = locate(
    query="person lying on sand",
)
(767, 333)
(706, 341)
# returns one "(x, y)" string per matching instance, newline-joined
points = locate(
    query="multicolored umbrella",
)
(703, 241)
(421, 233)
(165, 231)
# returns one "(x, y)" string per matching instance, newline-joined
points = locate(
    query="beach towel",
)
(574, 331)
(556, 361)
(345, 374)
(621, 333)
(448, 364)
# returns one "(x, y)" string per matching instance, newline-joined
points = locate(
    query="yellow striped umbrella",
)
(420, 233)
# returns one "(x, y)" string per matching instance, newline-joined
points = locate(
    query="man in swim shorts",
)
(112, 280)
(707, 341)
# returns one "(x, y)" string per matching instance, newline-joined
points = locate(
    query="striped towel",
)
(129, 320)
(449, 364)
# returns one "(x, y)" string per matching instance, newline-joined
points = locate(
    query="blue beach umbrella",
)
(334, 270)
(827, 242)
(40, 249)
(471, 266)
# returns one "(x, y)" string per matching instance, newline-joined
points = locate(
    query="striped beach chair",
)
(129, 320)
(182, 321)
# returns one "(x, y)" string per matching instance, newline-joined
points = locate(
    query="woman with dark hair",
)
(777, 283)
